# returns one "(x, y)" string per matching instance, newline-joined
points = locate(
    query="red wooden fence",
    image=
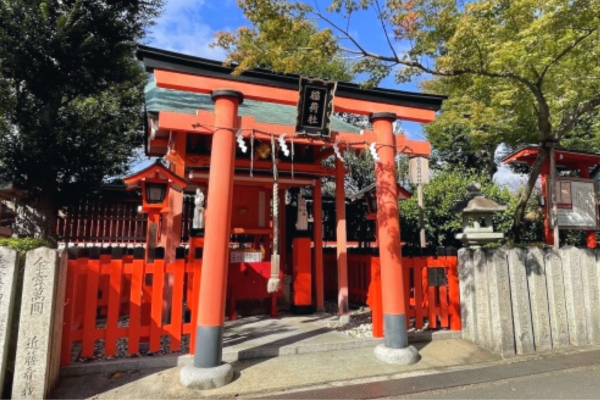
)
(439, 305)
(112, 299)
(131, 291)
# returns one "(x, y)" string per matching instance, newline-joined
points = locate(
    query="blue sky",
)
(188, 26)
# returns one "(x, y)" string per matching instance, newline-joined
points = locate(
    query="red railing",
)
(438, 304)
(111, 299)
(116, 298)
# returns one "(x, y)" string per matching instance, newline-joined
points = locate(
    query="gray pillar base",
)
(344, 319)
(406, 356)
(205, 378)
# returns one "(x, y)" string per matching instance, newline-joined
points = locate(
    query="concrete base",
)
(406, 356)
(205, 378)
(344, 319)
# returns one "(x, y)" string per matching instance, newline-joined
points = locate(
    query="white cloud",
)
(181, 28)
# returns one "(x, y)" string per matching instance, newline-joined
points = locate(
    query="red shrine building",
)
(235, 142)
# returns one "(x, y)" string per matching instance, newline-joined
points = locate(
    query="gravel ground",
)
(361, 324)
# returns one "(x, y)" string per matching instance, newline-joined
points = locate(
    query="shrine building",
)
(238, 143)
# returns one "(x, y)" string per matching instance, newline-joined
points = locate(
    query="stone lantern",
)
(477, 214)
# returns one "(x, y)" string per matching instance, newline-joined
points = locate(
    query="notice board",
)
(577, 203)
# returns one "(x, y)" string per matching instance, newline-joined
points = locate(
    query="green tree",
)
(71, 98)
(446, 188)
(291, 44)
(535, 63)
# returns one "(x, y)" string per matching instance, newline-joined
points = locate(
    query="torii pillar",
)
(208, 371)
(395, 349)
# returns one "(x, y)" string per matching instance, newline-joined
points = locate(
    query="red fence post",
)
(454, 294)
(374, 299)
(135, 308)
(65, 351)
(89, 313)
(114, 306)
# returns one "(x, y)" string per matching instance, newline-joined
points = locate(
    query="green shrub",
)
(23, 245)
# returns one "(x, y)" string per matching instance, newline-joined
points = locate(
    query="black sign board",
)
(315, 107)
(436, 276)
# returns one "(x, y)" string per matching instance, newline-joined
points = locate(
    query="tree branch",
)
(569, 120)
(564, 53)
(387, 36)
(355, 42)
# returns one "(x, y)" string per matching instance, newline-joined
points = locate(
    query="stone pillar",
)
(8, 280)
(571, 262)
(482, 299)
(556, 299)
(590, 294)
(208, 371)
(40, 325)
(520, 301)
(503, 334)
(395, 348)
(538, 298)
(466, 279)
(342, 251)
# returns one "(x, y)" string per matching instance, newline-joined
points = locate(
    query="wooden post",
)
(390, 255)
(171, 228)
(342, 251)
(421, 221)
(151, 233)
(548, 237)
(552, 196)
(318, 238)
(215, 260)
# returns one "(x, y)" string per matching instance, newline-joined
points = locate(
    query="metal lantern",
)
(155, 192)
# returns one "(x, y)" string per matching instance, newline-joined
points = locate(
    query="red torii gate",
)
(169, 132)
(569, 159)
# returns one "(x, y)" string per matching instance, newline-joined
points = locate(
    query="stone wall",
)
(518, 301)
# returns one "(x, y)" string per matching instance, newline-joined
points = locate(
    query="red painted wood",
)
(114, 305)
(135, 306)
(67, 339)
(158, 279)
(418, 271)
(375, 300)
(177, 305)
(197, 265)
(453, 294)
(302, 278)
(91, 301)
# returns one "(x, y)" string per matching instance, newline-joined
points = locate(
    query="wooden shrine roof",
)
(159, 59)
(564, 157)
(159, 99)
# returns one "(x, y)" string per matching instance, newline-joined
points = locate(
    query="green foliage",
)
(71, 97)
(283, 40)
(23, 245)
(446, 189)
(517, 72)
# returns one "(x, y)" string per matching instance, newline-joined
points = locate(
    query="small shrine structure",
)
(243, 140)
(577, 198)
